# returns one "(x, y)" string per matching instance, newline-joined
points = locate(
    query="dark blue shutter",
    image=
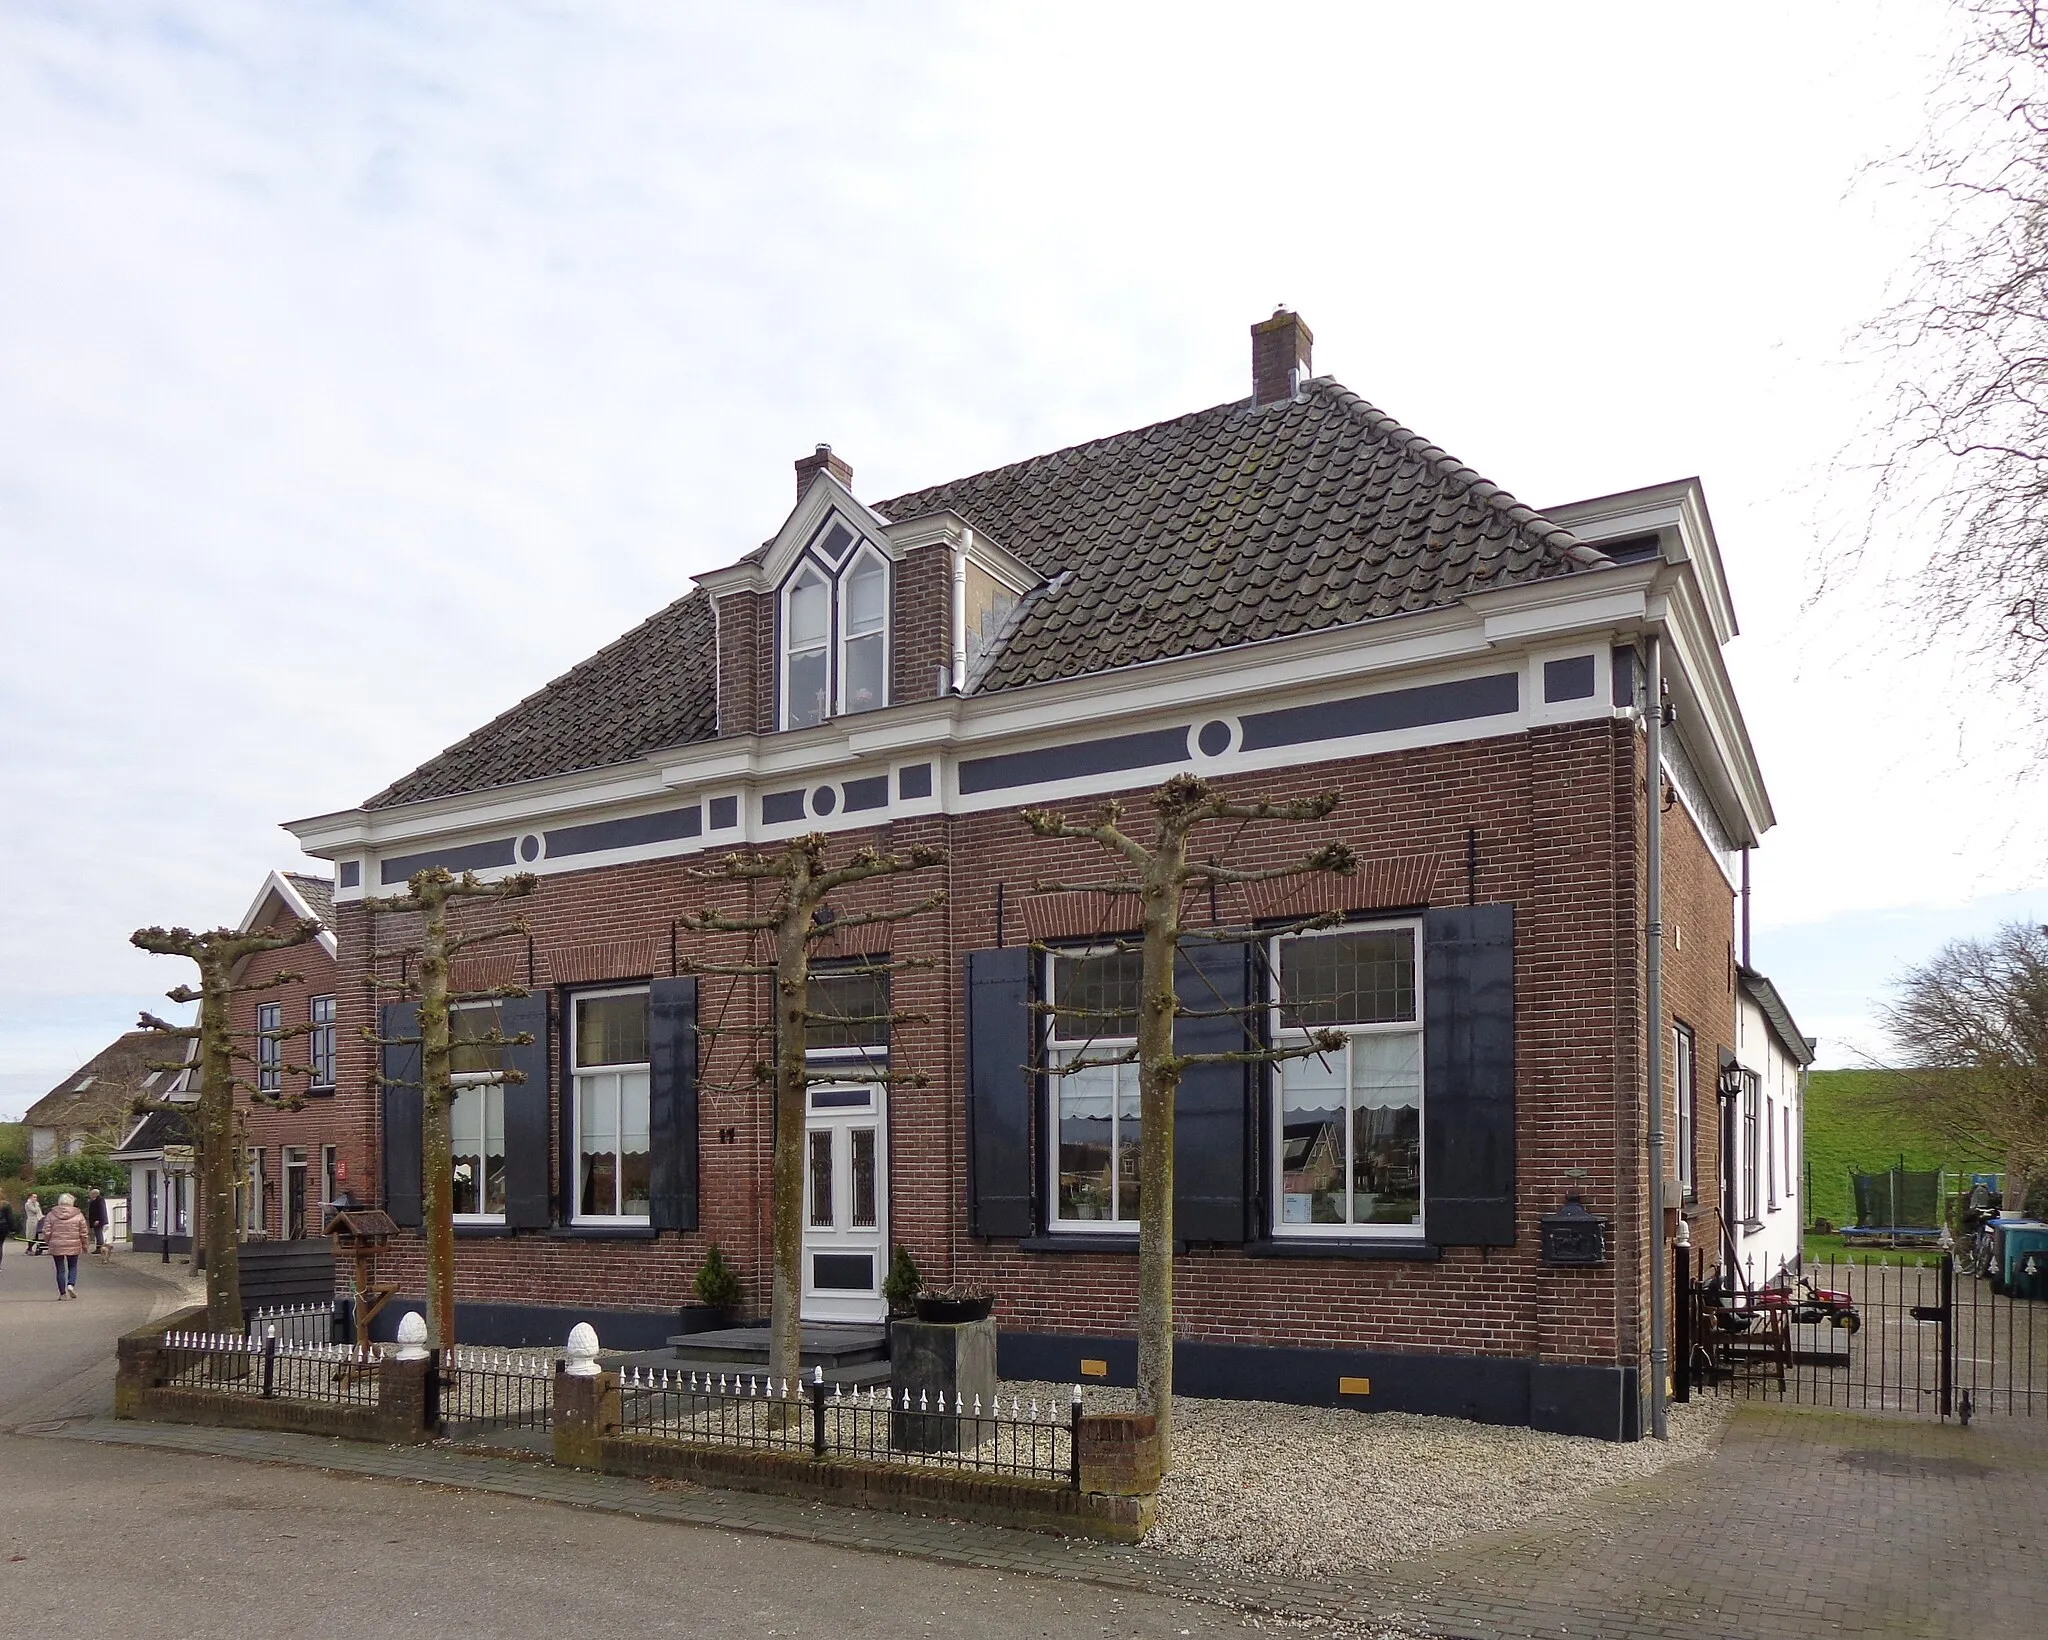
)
(526, 1113)
(400, 1067)
(1000, 1089)
(1468, 1087)
(1210, 1152)
(672, 1102)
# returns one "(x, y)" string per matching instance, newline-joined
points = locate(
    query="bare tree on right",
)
(1973, 1022)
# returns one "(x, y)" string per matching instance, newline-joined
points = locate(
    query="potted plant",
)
(903, 1283)
(718, 1294)
(962, 1301)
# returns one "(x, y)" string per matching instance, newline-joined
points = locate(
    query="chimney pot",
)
(821, 461)
(1281, 347)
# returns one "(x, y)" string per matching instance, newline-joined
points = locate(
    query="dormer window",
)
(835, 629)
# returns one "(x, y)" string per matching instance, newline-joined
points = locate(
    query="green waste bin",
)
(2025, 1266)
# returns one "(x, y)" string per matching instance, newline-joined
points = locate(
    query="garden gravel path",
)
(1263, 1489)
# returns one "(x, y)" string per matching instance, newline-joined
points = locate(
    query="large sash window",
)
(1347, 1141)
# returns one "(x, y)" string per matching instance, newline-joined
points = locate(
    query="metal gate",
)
(1867, 1336)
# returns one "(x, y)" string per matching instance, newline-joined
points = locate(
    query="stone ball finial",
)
(412, 1336)
(581, 1351)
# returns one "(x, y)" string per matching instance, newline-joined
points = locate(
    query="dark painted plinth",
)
(952, 1364)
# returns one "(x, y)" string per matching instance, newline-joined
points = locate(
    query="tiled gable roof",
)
(317, 892)
(1236, 524)
(1219, 528)
(656, 686)
(157, 1129)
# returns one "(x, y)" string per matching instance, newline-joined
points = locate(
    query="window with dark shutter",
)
(400, 1066)
(1468, 965)
(1000, 1089)
(672, 1102)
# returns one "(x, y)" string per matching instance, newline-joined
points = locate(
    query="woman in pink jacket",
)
(66, 1235)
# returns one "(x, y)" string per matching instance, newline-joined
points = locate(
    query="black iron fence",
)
(1866, 1335)
(478, 1389)
(270, 1368)
(877, 1425)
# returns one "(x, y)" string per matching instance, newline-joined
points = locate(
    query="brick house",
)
(296, 1159)
(1287, 593)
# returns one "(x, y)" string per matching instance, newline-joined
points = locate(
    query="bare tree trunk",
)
(1159, 1081)
(792, 1089)
(437, 1146)
(217, 1154)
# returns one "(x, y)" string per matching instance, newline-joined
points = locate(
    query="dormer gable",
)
(844, 611)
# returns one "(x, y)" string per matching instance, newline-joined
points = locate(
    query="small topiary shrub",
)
(717, 1284)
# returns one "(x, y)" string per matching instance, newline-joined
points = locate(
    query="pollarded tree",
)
(1163, 875)
(219, 953)
(803, 884)
(427, 967)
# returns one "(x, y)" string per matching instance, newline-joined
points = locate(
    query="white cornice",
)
(281, 888)
(1676, 512)
(1327, 662)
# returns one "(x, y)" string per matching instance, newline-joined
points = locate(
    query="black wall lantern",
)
(1574, 1236)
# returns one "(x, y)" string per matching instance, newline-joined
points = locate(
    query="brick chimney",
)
(1280, 357)
(824, 461)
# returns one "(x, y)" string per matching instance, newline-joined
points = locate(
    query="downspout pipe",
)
(1660, 1344)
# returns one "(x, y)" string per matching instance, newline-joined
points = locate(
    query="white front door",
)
(846, 1204)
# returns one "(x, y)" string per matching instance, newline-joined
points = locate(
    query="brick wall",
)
(1556, 815)
(1699, 991)
(921, 628)
(746, 670)
(340, 1118)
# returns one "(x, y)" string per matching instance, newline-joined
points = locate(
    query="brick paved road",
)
(1804, 1523)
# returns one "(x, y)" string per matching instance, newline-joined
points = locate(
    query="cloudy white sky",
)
(363, 366)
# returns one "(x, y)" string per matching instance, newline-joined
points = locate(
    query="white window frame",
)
(153, 1203)
(842, 603)
(1058, 1052)
(1294, 1036)
(483, 1082)
(269, 1047)
(255, 1221)
(321, 1032)
(1770, 1153)
(838, 583)
(1751, 1114)
(578, 1075)
(1685, 1071)
(806, 570)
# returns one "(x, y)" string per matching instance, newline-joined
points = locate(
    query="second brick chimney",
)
(1280, 357)
(823, 461)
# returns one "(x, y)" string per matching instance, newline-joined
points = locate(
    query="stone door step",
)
(833, 1346)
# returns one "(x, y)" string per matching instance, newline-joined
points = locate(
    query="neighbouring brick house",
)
(294, 1159)
(1286, 593)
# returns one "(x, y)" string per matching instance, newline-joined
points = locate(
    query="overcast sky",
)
(362, 367)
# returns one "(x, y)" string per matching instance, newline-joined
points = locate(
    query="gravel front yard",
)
(1288, 1491)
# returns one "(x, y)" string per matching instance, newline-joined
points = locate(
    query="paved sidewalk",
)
(1803, 1524)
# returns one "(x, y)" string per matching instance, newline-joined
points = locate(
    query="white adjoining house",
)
(1763, 1133)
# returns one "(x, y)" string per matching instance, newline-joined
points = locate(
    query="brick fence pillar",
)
(139, 1359)
(1120, 1455)
(406, 1401)
(586, 1411)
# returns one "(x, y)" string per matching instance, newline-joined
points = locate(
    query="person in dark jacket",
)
(6, 1224)
(96, 1220)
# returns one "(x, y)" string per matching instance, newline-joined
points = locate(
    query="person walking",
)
(66, 1235)
(32, 1221)
(96, 1221)
(6, 1224)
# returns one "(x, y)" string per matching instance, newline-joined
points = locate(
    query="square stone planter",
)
(942, 1362)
